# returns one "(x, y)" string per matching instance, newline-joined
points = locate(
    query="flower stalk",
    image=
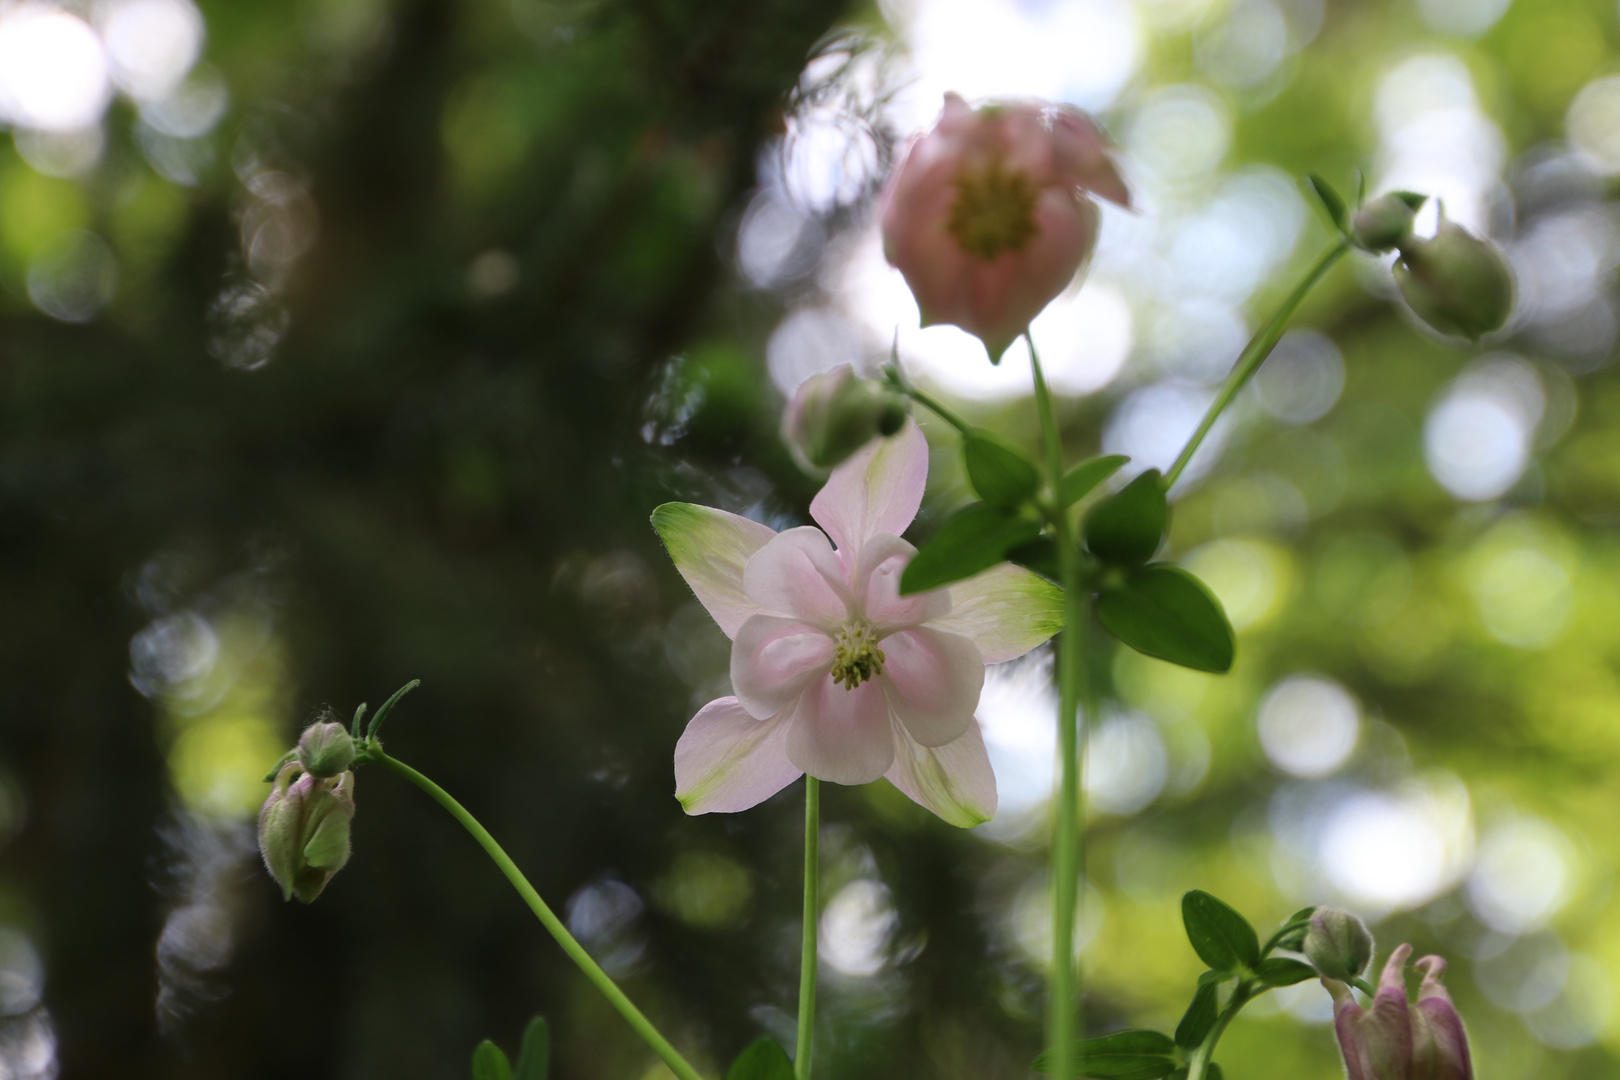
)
(1063, 1019)
(808, 955)
(570, 945)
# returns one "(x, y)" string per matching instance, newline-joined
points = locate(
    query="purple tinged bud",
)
(1455, 282)
(304, 830)
(834, 414)
(1338, 944)
(1392, 1039)
(325, 750)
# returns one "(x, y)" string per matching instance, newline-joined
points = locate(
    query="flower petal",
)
(797, 574)
(933, 680)
(955, 781)
(876, 491)
(1346, 1015)
(876, 574)
(710, 548)
(1082, 156)
(773, 659)
(1006, 611)
(727, 761)
(842, 735)
(1383, 1034)
(1441, 1044)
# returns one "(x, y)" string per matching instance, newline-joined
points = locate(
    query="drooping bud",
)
(1338, 944)
(1391, 1039)
(304, 830)
(325, 749)
(1455, 282)
(1384, 223)
(834, 414)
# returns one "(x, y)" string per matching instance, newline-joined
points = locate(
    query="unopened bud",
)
(1384, 223)
(1338, 944)
(304, 830)
(834, 414)
(1454, 281)
(325, 749)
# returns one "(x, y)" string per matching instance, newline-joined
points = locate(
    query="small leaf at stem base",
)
(1165, 612)
(977, 538)
(1199, 1017)
(1079, 481)
(534, 1056)
(489, 1062)
(1002, 476)
(1127, 527)
(1283, 971)
(763, 1059)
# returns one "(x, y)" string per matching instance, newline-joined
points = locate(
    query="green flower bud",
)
(1455, 282)
(304, 830)
(325, 749)
(1385, 223)
(1338, 944)
(834, 414)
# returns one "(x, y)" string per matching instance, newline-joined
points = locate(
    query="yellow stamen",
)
(994, 210)
(857, 658)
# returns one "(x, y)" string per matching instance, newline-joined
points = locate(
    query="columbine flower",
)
(1391, 1040)
(987, 217)
(835, 673)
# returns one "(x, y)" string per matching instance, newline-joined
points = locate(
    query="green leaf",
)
(1164, 611)
(1078, 481)
(1002, 476)
(1411, 198)
(534, 1056)
(1221, 937)
(354, 726)
(489, 1062)
(1281, 971)
(1127, 527)
(388, 706)
(1211, 1072)
(1331, 202)
(1124, 1055)
(1291, 934)
(1215, 978)
(977, 538)
(1199, 1018)
(764, 1059)
(1039, 555)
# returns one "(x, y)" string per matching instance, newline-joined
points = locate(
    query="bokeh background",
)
(344, 342)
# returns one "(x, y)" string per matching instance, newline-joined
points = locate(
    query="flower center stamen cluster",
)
(857, 657)
(994, 210)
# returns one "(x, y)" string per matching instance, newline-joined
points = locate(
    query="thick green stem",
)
(576, 952)
(1063, 1012)
(1254, 355)
(812, 907)
(1198, 1066)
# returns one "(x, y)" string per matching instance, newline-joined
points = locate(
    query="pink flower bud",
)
(988, 216)
(834, 414)
(304, 830)
(1391, 1039)
(325, 749)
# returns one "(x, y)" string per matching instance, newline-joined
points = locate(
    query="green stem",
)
(576, 952)
(939, 408)
(1255, 353)
(1198, 1066)
(1063, 1017)
(808, 958)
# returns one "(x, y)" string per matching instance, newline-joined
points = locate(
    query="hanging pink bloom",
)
(988, 216)
(836, 674)
(1391, 1040)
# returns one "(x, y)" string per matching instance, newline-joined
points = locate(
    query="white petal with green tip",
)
(1006, 611)
(710, 548)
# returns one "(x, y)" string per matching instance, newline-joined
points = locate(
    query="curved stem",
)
(1063, 1015)
(936, 406)
(808, 957)
(570, 945)
(1254, 354)
(1198, 1066)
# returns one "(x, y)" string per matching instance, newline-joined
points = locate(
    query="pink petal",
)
(876, 491)
(727, 761)
(842, 735)
(1384, 1031)
(954, 781)
(1346, 1016)
(797, 574)
(1005, 610)
(933, 681)
(709, 548)
(876, 574)
(1082, 156)
(774, 659)
(1007, 292)
(1441, 1048)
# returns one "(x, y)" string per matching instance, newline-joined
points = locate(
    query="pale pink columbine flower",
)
(836, 674)
(1392, 1039)
(988, 216)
